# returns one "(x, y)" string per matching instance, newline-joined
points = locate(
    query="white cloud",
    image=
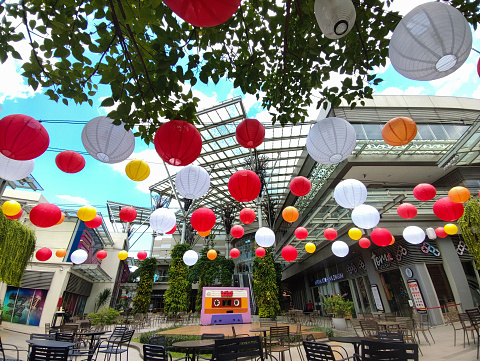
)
(72, 199)
(404, 6)
(397, 91)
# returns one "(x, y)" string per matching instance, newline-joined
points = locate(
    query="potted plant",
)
(339, 307)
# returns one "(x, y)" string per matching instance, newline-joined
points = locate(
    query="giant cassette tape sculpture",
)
(225, 305)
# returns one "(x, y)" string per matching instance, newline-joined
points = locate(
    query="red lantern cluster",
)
(364, 242)
(381, 237)
(424, 192)
(301, 233)
(250, 133)
(142, 255)
(128, 214)
(234, 253)
(407, 210)
(440, 232)
(172, 231)
(45, 215)
(260, 252)
(43, 254)
(300, 186)
(237, 231)
(289, 253)
(330, 234)
(203, 219)
(247, 215)
(102, 254)
(94, 223)
(69, 161)
(16, 216)
(447, 210)
(244, 185)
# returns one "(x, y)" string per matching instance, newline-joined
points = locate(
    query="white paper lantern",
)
(331, 140)
(79, 256)
(365, 216)
(190, 257)
(107, 142)
(350, 193)
(340, 248)
(413, 235)
(192, 182)
(163, 220)
(335, 17)
(430, 42)
(431, 233)
(265, 237)
(13, 170)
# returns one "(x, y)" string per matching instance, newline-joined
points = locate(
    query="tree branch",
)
(363, 43)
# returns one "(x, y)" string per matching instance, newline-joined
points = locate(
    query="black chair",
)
(42, 336)
(88, 353)
(392, 351)
(64, 337)
(160, 340)
(39, 353)
(474, 316)
(115, 336)
(3, 349)
(210, 336)
(317, 351)
(114, 347)
(154, 353)
(240, 348)
(391, 336)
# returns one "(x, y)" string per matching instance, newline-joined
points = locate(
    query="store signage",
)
(461, 248)
(417, 296)
(328, 279)
(227, 293)
(377, 298)
(351, 268)
(383, 260)
(428, 248)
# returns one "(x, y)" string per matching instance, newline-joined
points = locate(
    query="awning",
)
(92, 271)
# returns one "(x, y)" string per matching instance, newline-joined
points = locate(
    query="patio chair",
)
(160, 340)
(210, 336)
(155, 353)
(39, 353)
(47, 327)
(310, 337)
(279, 341)
(356, 325)
(234, 334)
(241, 348)
(114, 347)
(422, 324)
(3, 349)
(392, 351)
(453, 318)
(474, 315)
(317, 351)
(297, 339)
(390, 336)
(42, 336)
(65, 337)
(369, 328)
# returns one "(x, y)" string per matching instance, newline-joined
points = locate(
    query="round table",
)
(92, 335)
(193, 346)
(50, 343)
(354, 340)
(263, 330)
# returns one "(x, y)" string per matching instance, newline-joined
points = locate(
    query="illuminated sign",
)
(324, 280)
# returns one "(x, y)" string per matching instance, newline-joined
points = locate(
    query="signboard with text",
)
(417, 297)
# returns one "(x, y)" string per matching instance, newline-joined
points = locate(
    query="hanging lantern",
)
(128, 214)
(237, 231)
(211, 254)
(331, 140)
(79, 256)
(142, 255)
(247, 215)
(265, 237)
(260, 252)
(440, 232)
(69, 161)
(407, 210)
(17, 216)
(102, 254)
(234, 253)
(365, 216)
(61, 252)
(107, 142)
(381, 237)
(424, 192)
(413, 235)
(94, 223)
(300, 186)
(310, 247)
(350, 193)
(399, 131)
(204, 13)
(393, 241)
(335, 17)
(205, 234)
(289, 253)
(364, 242)
(290, 214)
(62, 218)
(478, 67)
(178, 142)
(137, 170)
(13, 170)
(447, 210)
(340, 248)
(450, 229)
(172, 231)
(355, 233)
(192, 182)
(86, 213)
(301, 233)
(330, 234)
(459, 194)
(45, 215)
(250, 133)
(431, 233)
(162, 220)
(43, 254)
(190, 257)
(23, 138)
(430, 42)
(244, 185)
(11, 208)
(122, 255)
(203, 219)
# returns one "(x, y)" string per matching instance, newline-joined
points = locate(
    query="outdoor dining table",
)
(192, 347)
(356, 341)
(263, 330)
(50, 343)
(387, 325)
(92, 335)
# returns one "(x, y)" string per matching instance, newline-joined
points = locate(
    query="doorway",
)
(396, 292)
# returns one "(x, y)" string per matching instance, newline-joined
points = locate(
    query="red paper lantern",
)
(203, 219)
(407, 210)
(102, 254)
(250, 133)
(178, 142)
(289, 253)
(381, 237)
(45, 215)
(424, 192)
(440, 232)
(330, 234)
(301, 233)
(16, 216)
(247, 215)
(364, 242)
(234, 253)
(237, 231)
(94, 223)
(142, 255)
(43, 254)
(478, 67)
(69, 161)
(447, 210)
(172, 231)
(260, 252)
(23, 138)
(300, 186)
(128, 214)
(244, 185)
(204, 13)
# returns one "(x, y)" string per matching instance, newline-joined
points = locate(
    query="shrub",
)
(338, 305)
(106, 316)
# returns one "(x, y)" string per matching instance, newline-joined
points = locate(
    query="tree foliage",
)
(150, 58)
(177, 296)
(102, 298)
(265, 285)
(469, 224)
(147, 269)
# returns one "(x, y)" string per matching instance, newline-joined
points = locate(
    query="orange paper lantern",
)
(211, 254)
(61, 253)
(399, 131)
(459, 194)
(290, 214)
(204, 234)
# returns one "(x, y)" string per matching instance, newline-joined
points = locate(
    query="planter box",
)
(316, 334)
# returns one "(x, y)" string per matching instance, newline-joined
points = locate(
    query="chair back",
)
(369, 328)
(268, 323)
(42, 336)
(154, 353)
(158, 340)
(238, 348)
(474, 316)
(310, 337)
(390, 336)
(392, 351)
(47, 327)
(69, 328)
(280, 333)
(38, 353)
(126, 337)
(212, 336)
(317, 351)
(464, 319)
(64, 336)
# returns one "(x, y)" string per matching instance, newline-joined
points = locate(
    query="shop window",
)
(396, 292)
(23, 305)
(440, 283)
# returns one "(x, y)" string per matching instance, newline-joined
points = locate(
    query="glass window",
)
(373, 131)
(439, 131)
(359, 130)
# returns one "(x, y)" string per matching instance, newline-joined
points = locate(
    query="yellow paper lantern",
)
(122, 255)
(61, 253)
(310, 247)
(11, 208)
(86, 213)
(204, 234)
(137, 170)
(450, 228)
(459, 194)
(355, 233)
(62, 218)
(211, 254)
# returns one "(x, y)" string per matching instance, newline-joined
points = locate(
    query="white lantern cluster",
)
(431, 233)
(365, 216)
(79, 256)
(107, 142)
(335, 17)
(331, 140)
(430, 42)
(340, 248)
(192, 182)
(413, 235)
(163, 220)
(190, 257)
(265, 237)
(350, 193)
(13, 170)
